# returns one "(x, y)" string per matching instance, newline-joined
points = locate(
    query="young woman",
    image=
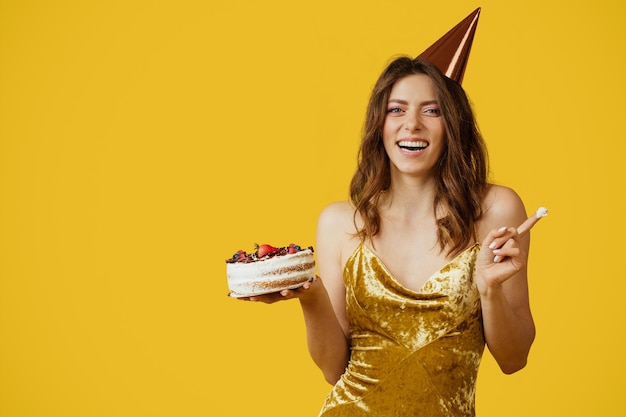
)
(423, 265)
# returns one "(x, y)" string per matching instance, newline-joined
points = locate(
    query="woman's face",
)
(414, 132)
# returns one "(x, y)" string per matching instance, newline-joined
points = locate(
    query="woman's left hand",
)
(500, 257)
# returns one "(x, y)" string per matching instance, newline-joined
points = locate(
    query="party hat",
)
(451, 52)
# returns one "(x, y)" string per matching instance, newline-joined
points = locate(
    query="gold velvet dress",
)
(412, 353)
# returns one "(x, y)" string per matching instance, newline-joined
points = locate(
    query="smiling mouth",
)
(413, 145)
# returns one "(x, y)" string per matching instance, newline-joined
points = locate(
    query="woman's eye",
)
(433, 111)
(394, 110)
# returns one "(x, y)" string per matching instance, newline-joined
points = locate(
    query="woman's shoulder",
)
(500, 196)
(502, 206)
(338, 215)
(339, 207)
(337, 237)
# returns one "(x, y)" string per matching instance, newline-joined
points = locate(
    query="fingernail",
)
(496, 259)
(283, 293)
(493, 245)
(502, 229)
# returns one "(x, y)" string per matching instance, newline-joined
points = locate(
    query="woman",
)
(423, 266)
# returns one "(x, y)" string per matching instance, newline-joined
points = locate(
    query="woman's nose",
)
(412, 122)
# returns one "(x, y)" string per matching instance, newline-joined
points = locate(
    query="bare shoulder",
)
(502, 206)
(336, 236)
(337, 216)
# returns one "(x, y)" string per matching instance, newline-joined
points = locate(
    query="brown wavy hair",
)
(461, 171)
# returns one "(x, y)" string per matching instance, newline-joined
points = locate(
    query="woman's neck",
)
(409, 198)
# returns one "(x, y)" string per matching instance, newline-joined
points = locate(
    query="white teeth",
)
(412, 144)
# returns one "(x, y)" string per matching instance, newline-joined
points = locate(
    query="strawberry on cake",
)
(269, 269)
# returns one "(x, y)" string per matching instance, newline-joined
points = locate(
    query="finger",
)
(505, 252)
(287, 293)
(501, 246)
(531, 221)
(268, 298)
(265, 298)
(501, 236)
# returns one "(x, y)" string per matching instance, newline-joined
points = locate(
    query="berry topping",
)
(264, 252)
(265, 249)
(293, 248)
(240, 254)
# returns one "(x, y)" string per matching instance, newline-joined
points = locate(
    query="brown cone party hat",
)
(451, 52)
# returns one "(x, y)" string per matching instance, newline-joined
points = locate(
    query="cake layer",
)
(270, 275)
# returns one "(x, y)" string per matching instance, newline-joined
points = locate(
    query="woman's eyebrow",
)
(423, 103)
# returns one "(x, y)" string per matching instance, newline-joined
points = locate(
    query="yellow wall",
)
(143, 142)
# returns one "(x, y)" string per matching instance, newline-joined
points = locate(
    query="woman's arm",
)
(501, 277)
(323, 301)
(325, 312)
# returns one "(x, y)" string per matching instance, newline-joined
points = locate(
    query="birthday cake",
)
(269, 269)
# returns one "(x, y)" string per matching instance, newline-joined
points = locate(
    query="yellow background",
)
(143, 142)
